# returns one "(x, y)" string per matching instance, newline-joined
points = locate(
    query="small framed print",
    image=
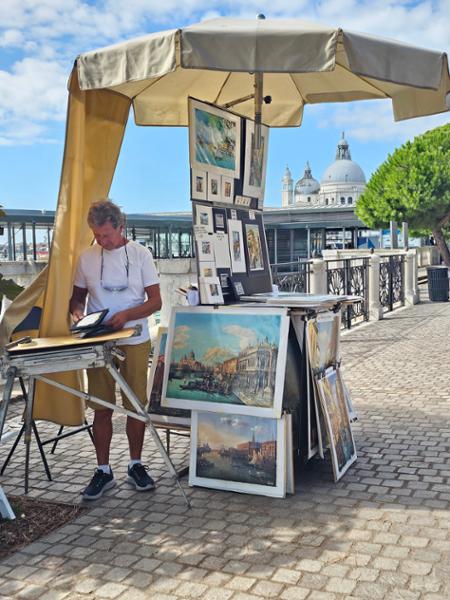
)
(210, 290)
(238, 288)
(207, 269)
(254, 247)
(238, 264)
(227, 189)
(205, 249)
(199, 190)
(204, 217)
(214, 191)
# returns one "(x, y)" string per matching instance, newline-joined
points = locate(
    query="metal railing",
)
(392, 282)
(292, 276)
(350, 276)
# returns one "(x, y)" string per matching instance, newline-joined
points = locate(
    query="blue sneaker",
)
(138, 476)
(99, 483)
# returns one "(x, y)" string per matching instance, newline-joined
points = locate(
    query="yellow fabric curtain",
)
(96, 122)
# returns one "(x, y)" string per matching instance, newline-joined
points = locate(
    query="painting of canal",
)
(214, 139)
(343, 451)
(323, 336)
(227, 357)
(237, 452)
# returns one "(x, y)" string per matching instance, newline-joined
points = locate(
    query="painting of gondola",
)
(238, 453)
(337, 423)
(214, 140)
(231, 359)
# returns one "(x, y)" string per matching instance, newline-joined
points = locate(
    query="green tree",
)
(413, 185)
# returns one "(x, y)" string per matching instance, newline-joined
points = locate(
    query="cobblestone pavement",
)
(383, 532)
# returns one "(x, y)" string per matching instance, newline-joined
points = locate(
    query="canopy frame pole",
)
(258, 85)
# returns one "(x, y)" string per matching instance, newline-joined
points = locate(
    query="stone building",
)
(341, 185)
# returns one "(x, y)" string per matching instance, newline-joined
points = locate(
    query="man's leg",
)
(101, 385)
(102, 429)
(135, 434)
(134, 370)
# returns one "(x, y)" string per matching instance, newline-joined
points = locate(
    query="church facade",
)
(340, 186)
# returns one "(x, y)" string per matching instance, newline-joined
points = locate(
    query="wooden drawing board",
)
(67, 341)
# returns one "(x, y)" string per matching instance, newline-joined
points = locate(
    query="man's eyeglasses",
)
(118, 288)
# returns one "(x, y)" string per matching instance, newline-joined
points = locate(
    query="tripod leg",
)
(41, 450)
(14, 446)
(89, 430)
(7, 391)
(28, 425)
(137, 406)
(60, 430)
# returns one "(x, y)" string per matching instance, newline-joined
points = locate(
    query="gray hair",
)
(105, 211)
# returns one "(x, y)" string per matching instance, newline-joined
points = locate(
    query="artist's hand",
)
(118, 320)
(77, 315)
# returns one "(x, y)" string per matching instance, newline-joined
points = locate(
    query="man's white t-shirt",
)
(141, 274)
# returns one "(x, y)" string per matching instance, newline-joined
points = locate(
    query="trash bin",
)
(438, 283)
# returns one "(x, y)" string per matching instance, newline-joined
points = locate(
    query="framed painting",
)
(254, 247)
(227, 194)
(236, 242)
(227, 359)
(199, 181)
(255, 162)
(154, 386)
(210, 290)
(322, 334)
(238, 453)
(204, 217)
(337, 423)
(214, 188)
(348, 400)
(207, 269)
(205, 248)
(214, 139)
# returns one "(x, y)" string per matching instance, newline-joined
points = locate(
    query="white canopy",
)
(302, 62)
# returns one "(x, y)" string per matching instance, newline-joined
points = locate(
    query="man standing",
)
(120, 275)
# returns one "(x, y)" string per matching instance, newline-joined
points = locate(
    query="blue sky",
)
(39, 41)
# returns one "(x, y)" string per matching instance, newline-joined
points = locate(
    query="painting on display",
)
(198, 184)
(214, 140)
(227, 360)
(337, 422)
(204, 217)
(155, 383)
(254, 247)
(348, 400)
(236, 242)
(210, 290)
(323, 339)
(255, 162)
(239, 453)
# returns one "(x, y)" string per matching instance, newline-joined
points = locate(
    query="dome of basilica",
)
(307, 184)
(344, 169)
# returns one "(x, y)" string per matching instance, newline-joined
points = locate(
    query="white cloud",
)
(373, 121)
(44, 36)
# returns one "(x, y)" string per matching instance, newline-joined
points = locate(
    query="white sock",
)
(105, 468)
(134, 461)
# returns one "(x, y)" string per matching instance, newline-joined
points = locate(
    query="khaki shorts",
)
(133, 369)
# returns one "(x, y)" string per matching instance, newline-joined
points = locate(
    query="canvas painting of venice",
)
(226, 359)
(214, 139)
(337, 420)
(238, 452)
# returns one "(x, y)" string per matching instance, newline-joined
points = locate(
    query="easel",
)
(43, 356)
(40, 444)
